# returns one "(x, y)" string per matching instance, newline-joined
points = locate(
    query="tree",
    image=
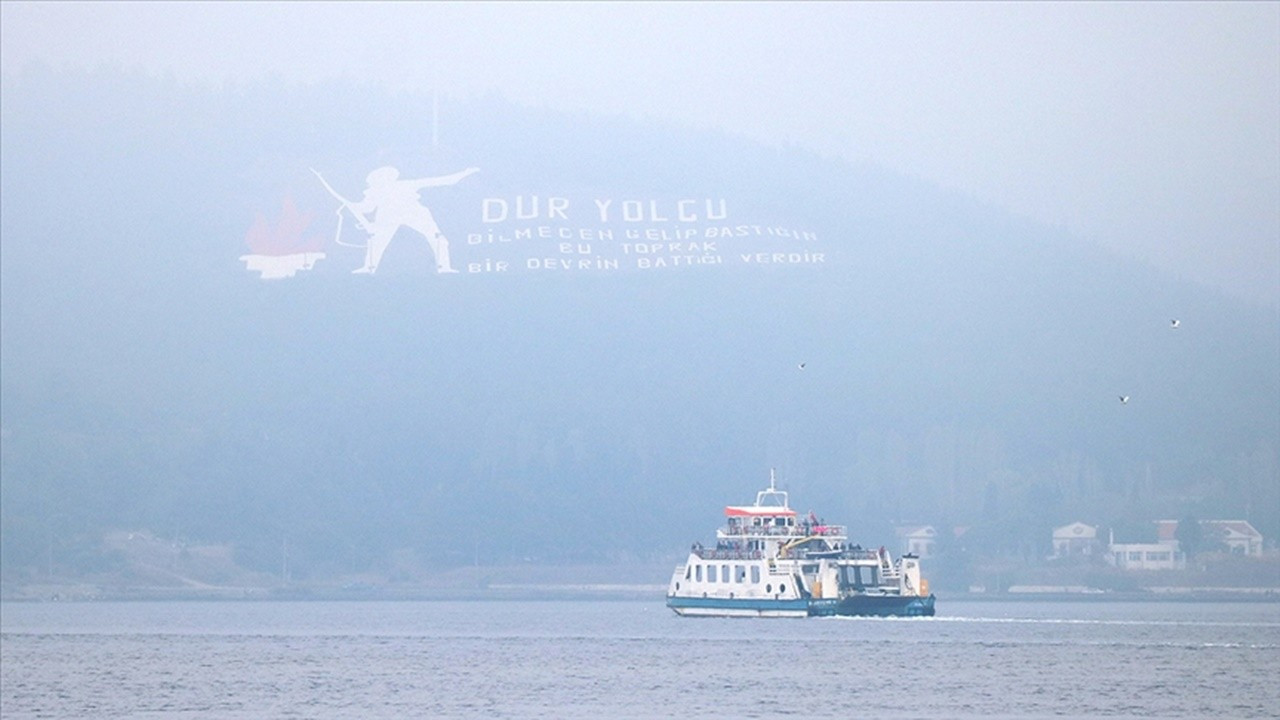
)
(1190, 536)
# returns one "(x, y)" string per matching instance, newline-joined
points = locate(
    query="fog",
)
(671, 276)
(1150, 128)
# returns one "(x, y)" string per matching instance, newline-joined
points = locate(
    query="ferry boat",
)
(770, 562)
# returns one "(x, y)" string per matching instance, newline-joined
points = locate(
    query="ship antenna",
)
(772, 478)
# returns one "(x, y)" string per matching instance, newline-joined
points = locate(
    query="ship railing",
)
(723, 553)
(802, 530)
(726, 554)
(860, 554)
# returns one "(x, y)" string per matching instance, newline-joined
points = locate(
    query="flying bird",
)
(802, 365)
(1174, 324)
(1124, 399)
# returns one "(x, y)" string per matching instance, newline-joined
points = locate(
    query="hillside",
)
(961, 366)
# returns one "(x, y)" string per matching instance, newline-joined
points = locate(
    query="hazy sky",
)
(1153, 129)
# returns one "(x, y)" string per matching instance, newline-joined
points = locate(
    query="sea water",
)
(599, 659)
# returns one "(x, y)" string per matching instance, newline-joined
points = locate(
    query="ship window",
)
(755, 574)
(782, 588)
(686, 572)
(724, 573)
(860, 576)
(768, 588)
(699, 572)
(739, 573)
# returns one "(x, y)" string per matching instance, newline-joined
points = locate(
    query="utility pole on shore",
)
(435, 118)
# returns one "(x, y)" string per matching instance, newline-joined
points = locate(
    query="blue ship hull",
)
(874, 606)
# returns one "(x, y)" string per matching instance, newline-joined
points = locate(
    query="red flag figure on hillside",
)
(280, 250)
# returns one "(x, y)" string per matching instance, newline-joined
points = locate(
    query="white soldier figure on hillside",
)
(395, 204)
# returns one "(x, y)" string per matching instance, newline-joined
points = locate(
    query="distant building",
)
(1075, 540)
(1239, 536)
(917, 539)
(1146, 556)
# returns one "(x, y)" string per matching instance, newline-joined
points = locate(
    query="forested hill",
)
(618, 356)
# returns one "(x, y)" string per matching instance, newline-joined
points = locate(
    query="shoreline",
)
(564, 592)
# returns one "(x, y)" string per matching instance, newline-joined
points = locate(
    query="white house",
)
(1076, 539)
(917, 539)
(1238, 535)
(1146, 556)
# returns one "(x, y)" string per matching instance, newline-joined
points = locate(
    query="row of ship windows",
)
(695, 573)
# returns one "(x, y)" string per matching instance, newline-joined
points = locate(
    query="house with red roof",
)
(1239, 536)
